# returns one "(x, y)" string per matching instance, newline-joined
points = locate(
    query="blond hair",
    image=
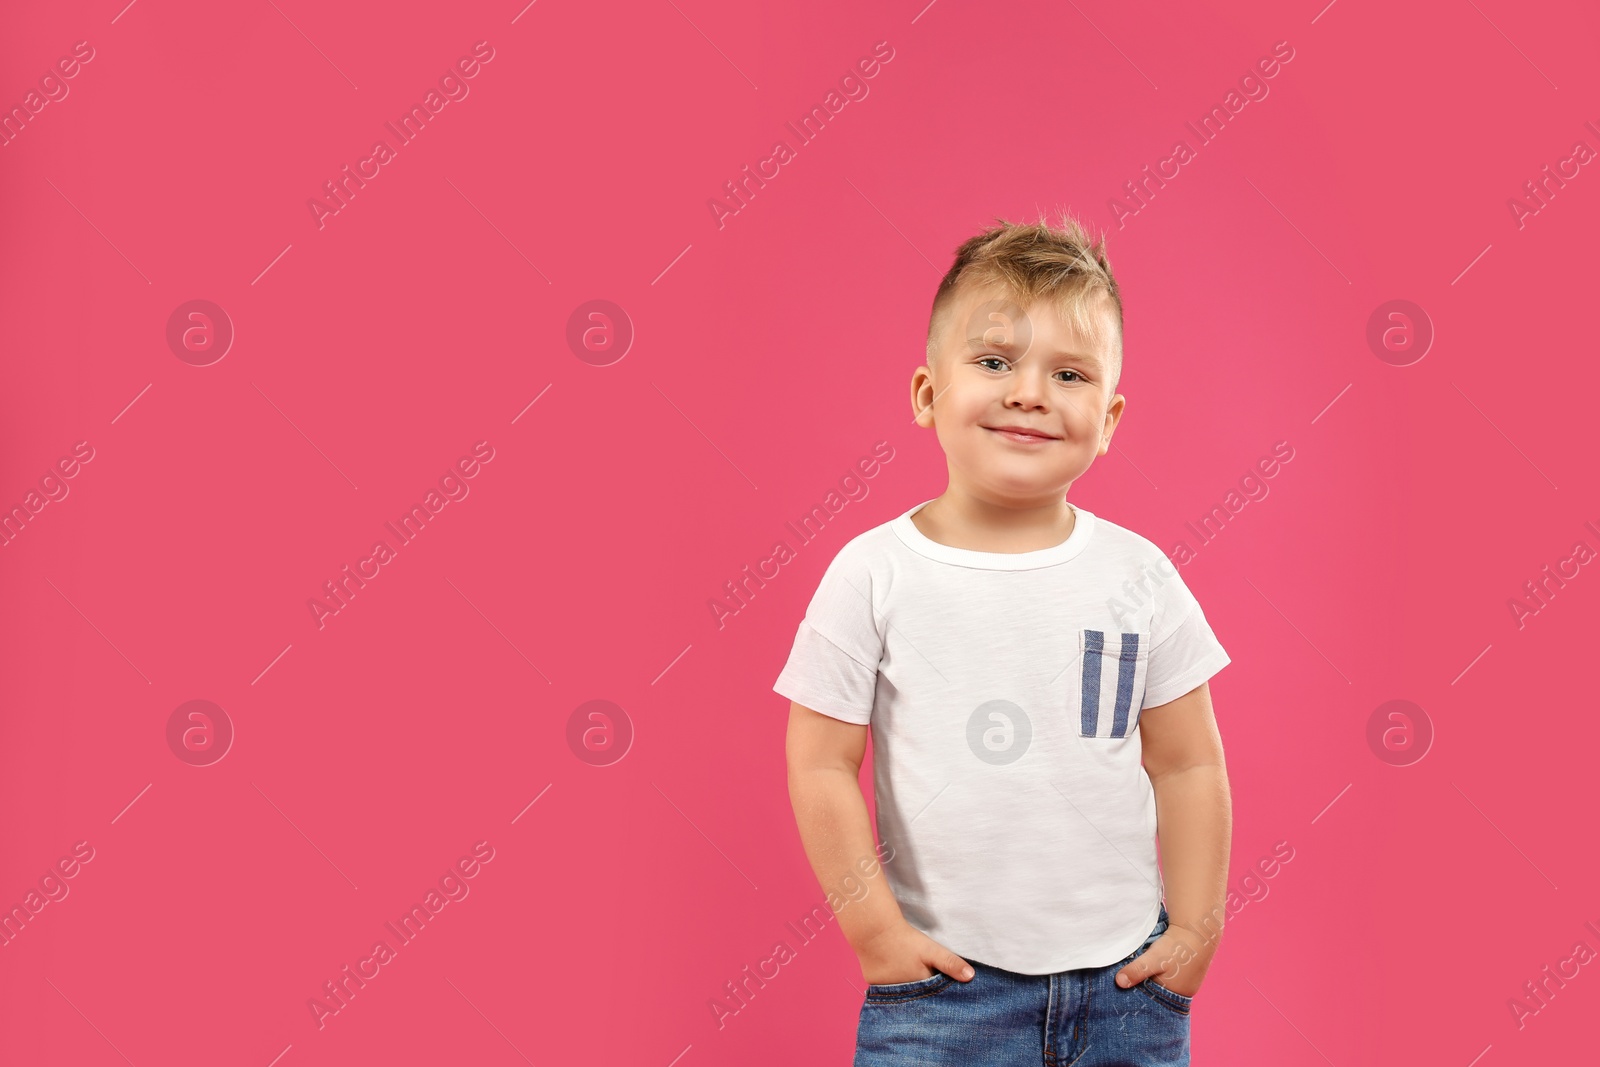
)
(1061, 266)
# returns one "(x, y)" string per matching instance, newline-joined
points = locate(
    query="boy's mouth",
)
(1021, 434)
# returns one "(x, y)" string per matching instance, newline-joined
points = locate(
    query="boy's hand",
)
(902, 953)
(1177, 960)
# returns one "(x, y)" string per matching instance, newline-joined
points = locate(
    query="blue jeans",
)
(1081, 1017)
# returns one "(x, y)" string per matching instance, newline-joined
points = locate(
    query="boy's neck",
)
(962, 520)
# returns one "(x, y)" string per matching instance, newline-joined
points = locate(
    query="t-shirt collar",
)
(920, 543)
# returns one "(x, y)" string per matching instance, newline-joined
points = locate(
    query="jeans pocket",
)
(1165, 997)
(1111, 682)
(902, 991)
(1150, 987)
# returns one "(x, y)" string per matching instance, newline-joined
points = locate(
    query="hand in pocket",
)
(1177, 961)
(902, 953)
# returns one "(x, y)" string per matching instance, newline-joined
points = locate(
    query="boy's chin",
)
(999, 487)
(1017, 479)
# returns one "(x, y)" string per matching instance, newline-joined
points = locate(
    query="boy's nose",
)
(1026, 389)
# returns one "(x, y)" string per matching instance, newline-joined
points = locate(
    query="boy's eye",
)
(1076, 377)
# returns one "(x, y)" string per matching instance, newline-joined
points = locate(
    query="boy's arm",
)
(824, 757)
(1194, 814)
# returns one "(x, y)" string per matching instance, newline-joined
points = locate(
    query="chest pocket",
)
(1112, 681)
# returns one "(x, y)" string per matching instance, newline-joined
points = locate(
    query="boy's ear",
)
(1114, 412)
(922, 397)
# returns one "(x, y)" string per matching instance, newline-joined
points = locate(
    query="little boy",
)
(1016, 659)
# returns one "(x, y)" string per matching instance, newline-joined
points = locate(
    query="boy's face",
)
(998, 365)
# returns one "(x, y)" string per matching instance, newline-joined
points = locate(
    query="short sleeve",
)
(833, 665)
(1184, 652)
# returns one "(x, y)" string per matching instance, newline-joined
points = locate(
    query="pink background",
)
(770, 355)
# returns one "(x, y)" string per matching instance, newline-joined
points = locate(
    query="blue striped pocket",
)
(1112, 675)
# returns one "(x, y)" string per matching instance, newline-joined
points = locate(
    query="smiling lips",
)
(1021, 434)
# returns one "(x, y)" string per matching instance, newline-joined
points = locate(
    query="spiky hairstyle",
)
(1030, 262)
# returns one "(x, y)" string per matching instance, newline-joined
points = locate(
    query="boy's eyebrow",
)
(978, 344)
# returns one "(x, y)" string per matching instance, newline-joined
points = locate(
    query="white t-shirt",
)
(1003, 691)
